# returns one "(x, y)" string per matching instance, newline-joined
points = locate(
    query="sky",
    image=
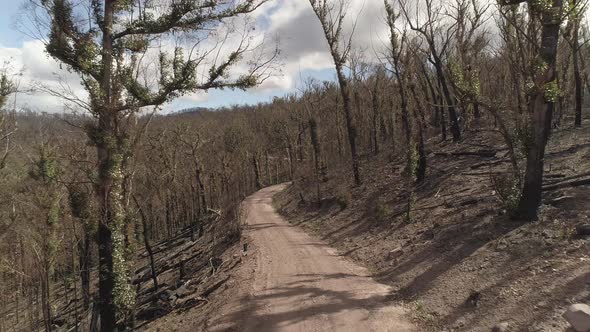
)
(304, 53)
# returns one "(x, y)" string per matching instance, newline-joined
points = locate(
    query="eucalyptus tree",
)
(399, 56)
(332, 16)
(542, 92)
(108, 44)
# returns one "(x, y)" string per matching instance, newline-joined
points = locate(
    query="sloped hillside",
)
(462, 264)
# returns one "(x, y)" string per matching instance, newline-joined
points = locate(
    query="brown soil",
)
(462, 264)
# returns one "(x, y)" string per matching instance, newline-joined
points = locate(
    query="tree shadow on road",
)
(308, 302)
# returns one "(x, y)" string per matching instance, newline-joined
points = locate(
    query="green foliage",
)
(123, 292)
(409, 217)
(6, 88)
(87, 53)
(79, 203)
(46, 168)
(413, 159)
(524, 138)
(551, 91)
(509, 191)
(466, 81)
(54, 211)
(343, 200)
(541, 6)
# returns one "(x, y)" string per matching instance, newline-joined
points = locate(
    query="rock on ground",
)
(578, 315)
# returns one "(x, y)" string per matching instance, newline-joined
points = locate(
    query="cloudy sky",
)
(304, 53)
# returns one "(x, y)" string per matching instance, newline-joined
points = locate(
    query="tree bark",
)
(290, 154)
(376, 113)
(350, 125)
(577, 76)
(84, 257)
(541, 111)
(148, 247)
(455, 127)
(256, 172)
(113, 284)
(317, 154)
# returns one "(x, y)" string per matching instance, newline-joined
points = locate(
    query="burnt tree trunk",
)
(578, 97)
(541, 109)
(256, 172)
(376, 117)
(453, 117)
(148, 247)
(350, 125)
(317, 156)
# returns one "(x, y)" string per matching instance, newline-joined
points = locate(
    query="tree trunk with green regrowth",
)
(108, 54)
(80, 207)
(542, 94)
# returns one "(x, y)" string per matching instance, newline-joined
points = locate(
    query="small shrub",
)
(382, 212)
(343, 200)
(508, 189)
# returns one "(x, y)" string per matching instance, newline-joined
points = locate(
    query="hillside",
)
(462, 264)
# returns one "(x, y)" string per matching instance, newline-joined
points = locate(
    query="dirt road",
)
(300, 284)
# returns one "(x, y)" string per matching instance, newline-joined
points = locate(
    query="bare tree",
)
(438, 38)
(542, 97)
(332, 17)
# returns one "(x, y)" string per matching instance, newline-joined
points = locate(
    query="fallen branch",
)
(479, 153)
(488, 163)
(564, 179)
(215, 286)
(482, 173)
(560, 185)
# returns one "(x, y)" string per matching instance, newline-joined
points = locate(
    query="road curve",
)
(301, 284)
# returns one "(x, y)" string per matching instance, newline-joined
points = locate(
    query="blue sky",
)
(9, 37)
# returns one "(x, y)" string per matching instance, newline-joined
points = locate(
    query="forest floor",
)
(462, 264)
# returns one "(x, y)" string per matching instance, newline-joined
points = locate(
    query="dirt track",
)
(301, 284)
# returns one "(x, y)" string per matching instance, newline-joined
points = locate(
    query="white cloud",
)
(302, 43)
(37, 68)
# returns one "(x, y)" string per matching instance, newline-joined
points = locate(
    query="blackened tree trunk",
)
(332, 26)
(350, 125)
(420, 163)
(148, 247)
(267, 166)
(578, 97)
(200, 189)
(256, 172)
(541, 108)
(453, 117)
(84, 258)
(376, 115)
(291, 162)
(317, 156)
